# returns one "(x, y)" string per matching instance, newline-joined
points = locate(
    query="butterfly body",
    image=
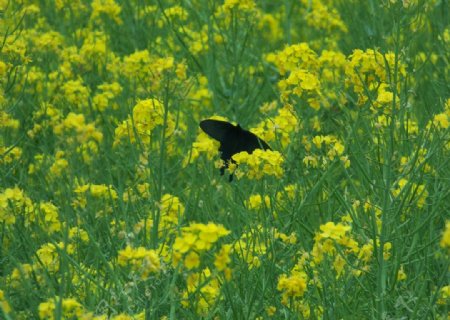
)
(233, 139)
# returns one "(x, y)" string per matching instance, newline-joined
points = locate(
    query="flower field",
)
(112, 204)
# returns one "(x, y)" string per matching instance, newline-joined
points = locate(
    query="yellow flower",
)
(339, 264)
(192, 260)
(255, 202)
(140, 260)
(445, 240)
(107, 7)
(293, 286)
(260, 163)
(441, 121)
(223, 257)
(444, 296)
(334, 231)
(401, 275)
(4, 304)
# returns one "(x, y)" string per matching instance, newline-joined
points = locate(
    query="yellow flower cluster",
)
(369, 70)
(141, 261)
(171, 214)
(250, 247)
(4, 304)
(70, 308)
(326, 148)
(141, 68)
(108, 8)
(195, 239)
(257, 164)
(76, 123)
(203, 290)
(417, 192)
(280, 127)
(108, 91)
(147, 116)
(445, 240)
(13, 201)
(49, 255)
(193, 244)
(323, 17)
(95, 191)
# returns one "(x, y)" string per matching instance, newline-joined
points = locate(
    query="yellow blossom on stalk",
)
(269, 25)
(50, 41)
(294, 57)
(368, 70)
(140, 260)
(288, 193)
(4, 304)
(250, 248)
(76, 93)
(333, 231)
(76, 123)
(384, 97)
(280, 127)
(320, 16)
(299, 81)
(287, 239)
(198, 41)
(444, 296)
(59, 166)
(418, 191)
(7, 121)
(222, 259)
(271, 310)
(244, 5)
(171, 211)
(137, 64)
(401, 275)
(293, 286)
(255, 202)
(440, 121)
(366, 252)
(22, 273)
(50, 217)
(48, 255)
(147, 115)
(259, 163)
(13, 201)
(76, 6)
(196, 238)
(9, 154)
(192, 260)
(94, 52)
(102, 191)
(200, 95)
(79, 234)
(107, 7)
(339, 264)
(202, 287)
(70, 308)
(141, 191)
(101, 101)
(311, 161)
(445, 240)
(176, 12)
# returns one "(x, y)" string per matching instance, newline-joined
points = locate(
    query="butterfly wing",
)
(218, 130)
(248, 141)
(233, 139)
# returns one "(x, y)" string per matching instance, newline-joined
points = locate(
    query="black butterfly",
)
(233, 139)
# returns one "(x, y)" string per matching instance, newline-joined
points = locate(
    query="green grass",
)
(111, 202)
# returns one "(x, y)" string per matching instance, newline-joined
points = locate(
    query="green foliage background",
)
(112, 207)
